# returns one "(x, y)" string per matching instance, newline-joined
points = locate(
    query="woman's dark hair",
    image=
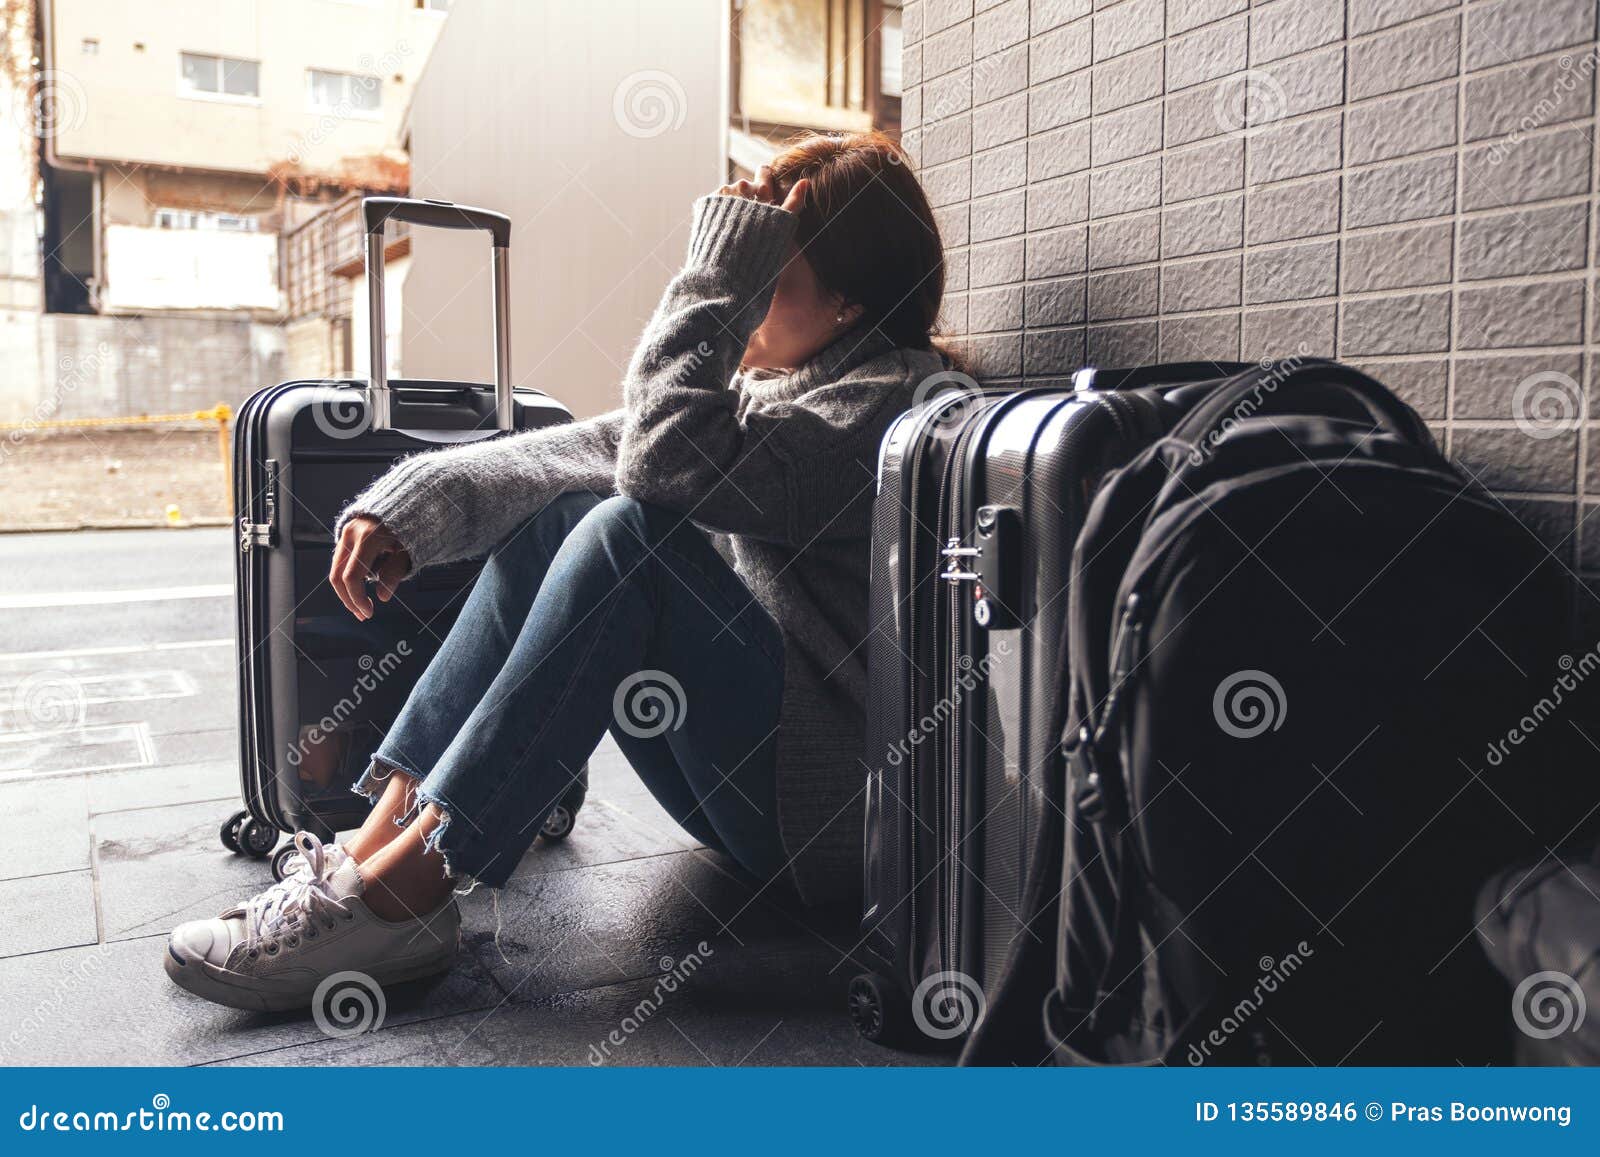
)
(867, 230)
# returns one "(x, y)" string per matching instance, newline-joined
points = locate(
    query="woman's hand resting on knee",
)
(367, 550)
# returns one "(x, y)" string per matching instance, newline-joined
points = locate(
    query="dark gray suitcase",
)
(980, 497)
(317, 688)
(979, 501)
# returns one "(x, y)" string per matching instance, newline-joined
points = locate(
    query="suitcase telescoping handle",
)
(440, 215)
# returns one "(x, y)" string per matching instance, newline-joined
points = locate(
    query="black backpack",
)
(1297, 640)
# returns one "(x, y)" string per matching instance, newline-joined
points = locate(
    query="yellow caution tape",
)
(221, 412)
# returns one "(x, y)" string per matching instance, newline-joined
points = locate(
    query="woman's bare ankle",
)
(406, 879)
(398, 896)
(383, 824)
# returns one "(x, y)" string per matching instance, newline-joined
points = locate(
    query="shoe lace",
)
(297, 864)
(300, 903)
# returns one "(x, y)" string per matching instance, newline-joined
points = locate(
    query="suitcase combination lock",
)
(993, 566)
(264, 533)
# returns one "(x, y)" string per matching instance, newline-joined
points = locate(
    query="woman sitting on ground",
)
(713, 532)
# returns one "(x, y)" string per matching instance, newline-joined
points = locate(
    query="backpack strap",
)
(1165, 374)
(1317, 385)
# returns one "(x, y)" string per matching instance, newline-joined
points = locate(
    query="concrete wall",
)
(99, 367)
(1408, 185)
(594, 126)
(312, 348)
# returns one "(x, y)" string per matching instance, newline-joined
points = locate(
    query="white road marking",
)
(133, 649)
(28, 754)
(108, 598)
(119, 687)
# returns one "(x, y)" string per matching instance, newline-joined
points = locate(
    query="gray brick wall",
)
(1407, 185)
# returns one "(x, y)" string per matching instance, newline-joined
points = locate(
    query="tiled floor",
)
(96, 866)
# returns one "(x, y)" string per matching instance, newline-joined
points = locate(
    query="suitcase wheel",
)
(230, 831)
(559, 823)
(243, 835)
(880, 1011)
(563, 817)
(257, 839)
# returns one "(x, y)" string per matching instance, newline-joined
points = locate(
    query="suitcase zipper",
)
(912, 653)
(953, 504)
(914, 487)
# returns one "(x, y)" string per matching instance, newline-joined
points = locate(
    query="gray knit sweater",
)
(781, 471)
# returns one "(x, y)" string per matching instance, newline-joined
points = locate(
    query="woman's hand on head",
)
(366, 549)
(765, 189)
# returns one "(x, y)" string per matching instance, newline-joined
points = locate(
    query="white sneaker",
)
(272, 951)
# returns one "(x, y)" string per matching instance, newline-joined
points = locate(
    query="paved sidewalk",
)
(110, 801)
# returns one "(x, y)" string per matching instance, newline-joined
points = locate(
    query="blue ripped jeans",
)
(595, 614)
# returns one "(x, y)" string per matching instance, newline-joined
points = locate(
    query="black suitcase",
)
(980, 496)
(317, 688)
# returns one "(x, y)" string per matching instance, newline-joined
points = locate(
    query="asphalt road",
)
(116, 650)
(114, 588)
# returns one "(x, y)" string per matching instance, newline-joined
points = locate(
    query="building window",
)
(199, 219)
(90, 46)
(813, 64)
(343, 93)
(893, 42)
(434, 5)
(219, 76)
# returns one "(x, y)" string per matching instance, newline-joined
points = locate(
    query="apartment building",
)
(191, 133)
(153, 158)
